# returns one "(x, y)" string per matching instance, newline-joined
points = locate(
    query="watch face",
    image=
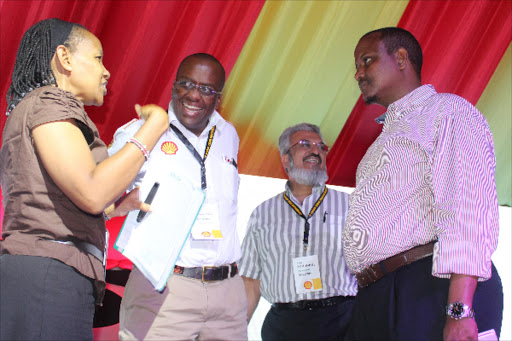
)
(457, 309)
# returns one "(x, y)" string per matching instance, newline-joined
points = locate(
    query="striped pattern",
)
(429, 175)
(274, 237)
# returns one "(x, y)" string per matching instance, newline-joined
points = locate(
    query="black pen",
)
(148, 201)
(325, 214)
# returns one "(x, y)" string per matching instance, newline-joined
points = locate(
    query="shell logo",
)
(308, 285)
(206, 234)
(169, 148)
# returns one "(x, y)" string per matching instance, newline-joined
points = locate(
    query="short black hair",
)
(32, 68)
(208, 57)
(394, 38)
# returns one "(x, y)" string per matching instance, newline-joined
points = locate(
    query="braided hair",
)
(32, 68)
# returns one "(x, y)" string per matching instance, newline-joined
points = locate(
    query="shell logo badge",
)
(308, 285)
(206, 234)
(169, 148)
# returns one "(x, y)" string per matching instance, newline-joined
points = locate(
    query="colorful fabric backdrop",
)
(287, 62)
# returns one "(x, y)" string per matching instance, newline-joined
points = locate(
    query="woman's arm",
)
(68, 160)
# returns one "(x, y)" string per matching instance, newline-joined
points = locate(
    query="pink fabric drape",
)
(462, 41)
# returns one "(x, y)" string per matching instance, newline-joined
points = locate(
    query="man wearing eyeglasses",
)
(292, 253)
(204, 297)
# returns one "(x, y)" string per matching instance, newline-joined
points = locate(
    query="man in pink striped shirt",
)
(423, 218)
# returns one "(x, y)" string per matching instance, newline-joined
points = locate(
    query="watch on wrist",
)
(459, 310)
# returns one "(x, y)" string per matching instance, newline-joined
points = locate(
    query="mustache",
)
(363, 80)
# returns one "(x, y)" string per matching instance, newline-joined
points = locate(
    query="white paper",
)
(154, 244)
(488, 335)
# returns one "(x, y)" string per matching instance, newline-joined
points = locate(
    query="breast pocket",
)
(226, 179)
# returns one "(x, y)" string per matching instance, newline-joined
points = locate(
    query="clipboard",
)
(155, 243)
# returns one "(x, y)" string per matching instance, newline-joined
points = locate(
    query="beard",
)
(308, 177)
(370, 100)
(363, 86)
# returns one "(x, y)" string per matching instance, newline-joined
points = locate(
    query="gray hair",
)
(284, 139)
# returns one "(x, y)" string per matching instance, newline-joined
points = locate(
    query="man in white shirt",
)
(292, 254)
(204, 297)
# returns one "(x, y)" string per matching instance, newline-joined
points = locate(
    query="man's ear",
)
(402, 58)
(285, 161)
(217, 103)
(63, 58)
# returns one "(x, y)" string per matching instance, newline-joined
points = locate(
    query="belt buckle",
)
(202, 272)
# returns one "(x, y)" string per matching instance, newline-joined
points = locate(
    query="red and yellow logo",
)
(308, 285)
(206, 234)
(169, 148)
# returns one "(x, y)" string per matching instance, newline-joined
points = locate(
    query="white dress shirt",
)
(221, 177)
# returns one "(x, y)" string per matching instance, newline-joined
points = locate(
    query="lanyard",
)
(194, 152)
(305, 240)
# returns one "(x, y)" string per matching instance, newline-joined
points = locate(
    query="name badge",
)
(306, 273)
(207, 224)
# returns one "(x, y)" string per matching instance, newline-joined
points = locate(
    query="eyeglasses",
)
(203, 89)
(308, 145)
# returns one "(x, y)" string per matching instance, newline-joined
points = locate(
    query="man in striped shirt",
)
(292, 252)
(423, 218)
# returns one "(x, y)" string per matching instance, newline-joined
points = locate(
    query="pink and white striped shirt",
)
(428, 176)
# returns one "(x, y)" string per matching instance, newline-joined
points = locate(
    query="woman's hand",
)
(127, 203)
(148, 110)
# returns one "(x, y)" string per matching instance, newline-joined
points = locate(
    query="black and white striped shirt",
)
(275, 236)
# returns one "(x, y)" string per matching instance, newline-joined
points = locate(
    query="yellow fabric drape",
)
(298, 66)
(496, 105)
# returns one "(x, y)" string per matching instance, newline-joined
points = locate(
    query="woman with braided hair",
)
(57, 181)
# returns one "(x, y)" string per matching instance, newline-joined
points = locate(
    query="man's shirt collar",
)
(412, 100)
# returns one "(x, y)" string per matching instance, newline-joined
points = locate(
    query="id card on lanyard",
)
(306, 270)
(306, 273)
(207, 224)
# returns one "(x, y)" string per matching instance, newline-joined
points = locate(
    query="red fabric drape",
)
(143, 43)
(462, 41)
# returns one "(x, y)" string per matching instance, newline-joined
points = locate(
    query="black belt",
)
(208, 273)
(312, 304)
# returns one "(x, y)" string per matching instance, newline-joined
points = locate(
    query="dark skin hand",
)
(127, 203)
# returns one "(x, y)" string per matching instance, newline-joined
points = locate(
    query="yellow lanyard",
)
(296, 208)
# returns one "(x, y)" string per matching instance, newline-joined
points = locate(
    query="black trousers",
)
(409, 304)
(44, 299)
(329, 323)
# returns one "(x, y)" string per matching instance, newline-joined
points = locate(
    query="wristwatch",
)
(458, 310)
